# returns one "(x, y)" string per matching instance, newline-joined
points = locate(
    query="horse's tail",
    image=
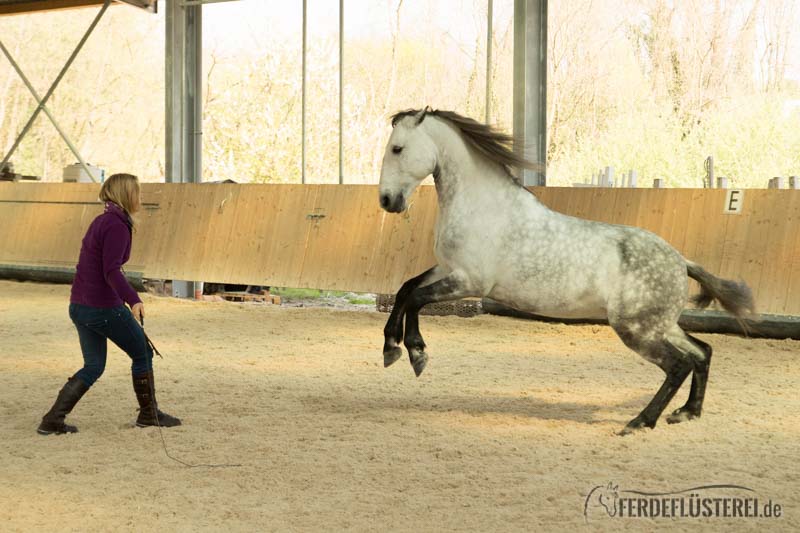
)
(734, 296)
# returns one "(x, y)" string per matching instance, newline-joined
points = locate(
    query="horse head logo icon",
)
(605, 496)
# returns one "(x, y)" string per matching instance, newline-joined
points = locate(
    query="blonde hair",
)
(123, 190)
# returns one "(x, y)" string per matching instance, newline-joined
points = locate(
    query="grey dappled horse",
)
(495, 239)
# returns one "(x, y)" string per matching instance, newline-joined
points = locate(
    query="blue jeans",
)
(95, 326)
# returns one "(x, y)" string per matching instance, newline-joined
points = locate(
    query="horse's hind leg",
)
(694, 405)
(676, 371)
(393, 332)
(673, 355)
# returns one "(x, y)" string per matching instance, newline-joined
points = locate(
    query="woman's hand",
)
(138, 312)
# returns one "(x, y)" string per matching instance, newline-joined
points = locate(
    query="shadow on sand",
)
(353, 404)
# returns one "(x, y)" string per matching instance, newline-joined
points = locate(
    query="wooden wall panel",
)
(336, 237)
(786, 277)
(44, 234)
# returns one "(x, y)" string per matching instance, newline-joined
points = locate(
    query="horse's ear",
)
(424, 112)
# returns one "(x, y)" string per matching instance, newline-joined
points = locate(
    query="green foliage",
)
(316, 294)
(288, 292)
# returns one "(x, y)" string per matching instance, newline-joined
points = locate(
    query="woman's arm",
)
(115, 243)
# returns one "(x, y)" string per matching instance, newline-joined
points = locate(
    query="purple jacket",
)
(99, 281)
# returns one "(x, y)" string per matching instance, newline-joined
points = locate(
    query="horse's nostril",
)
(384, 201)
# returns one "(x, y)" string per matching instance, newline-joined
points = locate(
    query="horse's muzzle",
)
(392, 204)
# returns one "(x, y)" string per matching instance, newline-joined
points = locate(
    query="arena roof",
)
(11, 7)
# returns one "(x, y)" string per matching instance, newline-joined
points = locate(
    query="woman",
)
(97, 309)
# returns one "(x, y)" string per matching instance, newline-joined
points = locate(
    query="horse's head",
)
(409, 158)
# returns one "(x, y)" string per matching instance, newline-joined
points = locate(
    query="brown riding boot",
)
(68, 396)
(149, 415)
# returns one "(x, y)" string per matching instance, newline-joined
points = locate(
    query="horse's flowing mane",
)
(498, 146)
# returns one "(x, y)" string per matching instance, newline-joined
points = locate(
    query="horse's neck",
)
(468, 182)
(460, 182)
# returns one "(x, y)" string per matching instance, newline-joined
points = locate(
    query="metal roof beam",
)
(16, 7)
(147, 5)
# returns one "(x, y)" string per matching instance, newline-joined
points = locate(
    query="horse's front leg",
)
(393, 331)
(451, 287)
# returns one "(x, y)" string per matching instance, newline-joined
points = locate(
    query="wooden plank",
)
(597, 207)
(196, 225)
(624, 208)
(792, 270)
(226, 207)
(748, 262)
(662, 218)
(733, 256)
(11, 220)
(776, 262)
(678, 226)
(222, 212)
(145, 241)
(710, 254)
(170, 262)
(237, 254)
(694, 231)
(697, 229)
(291, 236)
(23, 217)
(352, 244)
(651, 210)
(583, 204)
(329, 240)
(264, 202)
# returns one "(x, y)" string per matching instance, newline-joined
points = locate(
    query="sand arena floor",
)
(509, 428)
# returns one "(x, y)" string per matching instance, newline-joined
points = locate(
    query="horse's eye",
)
(397, 149)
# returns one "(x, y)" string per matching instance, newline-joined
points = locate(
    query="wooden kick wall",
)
(336, 236)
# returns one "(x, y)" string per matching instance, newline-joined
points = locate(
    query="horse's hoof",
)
(418, 360)
(681, 415)
(634, 426)
(391, 355)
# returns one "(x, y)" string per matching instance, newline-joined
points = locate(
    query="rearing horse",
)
(495, 239)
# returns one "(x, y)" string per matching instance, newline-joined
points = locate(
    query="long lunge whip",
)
(158, 423)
